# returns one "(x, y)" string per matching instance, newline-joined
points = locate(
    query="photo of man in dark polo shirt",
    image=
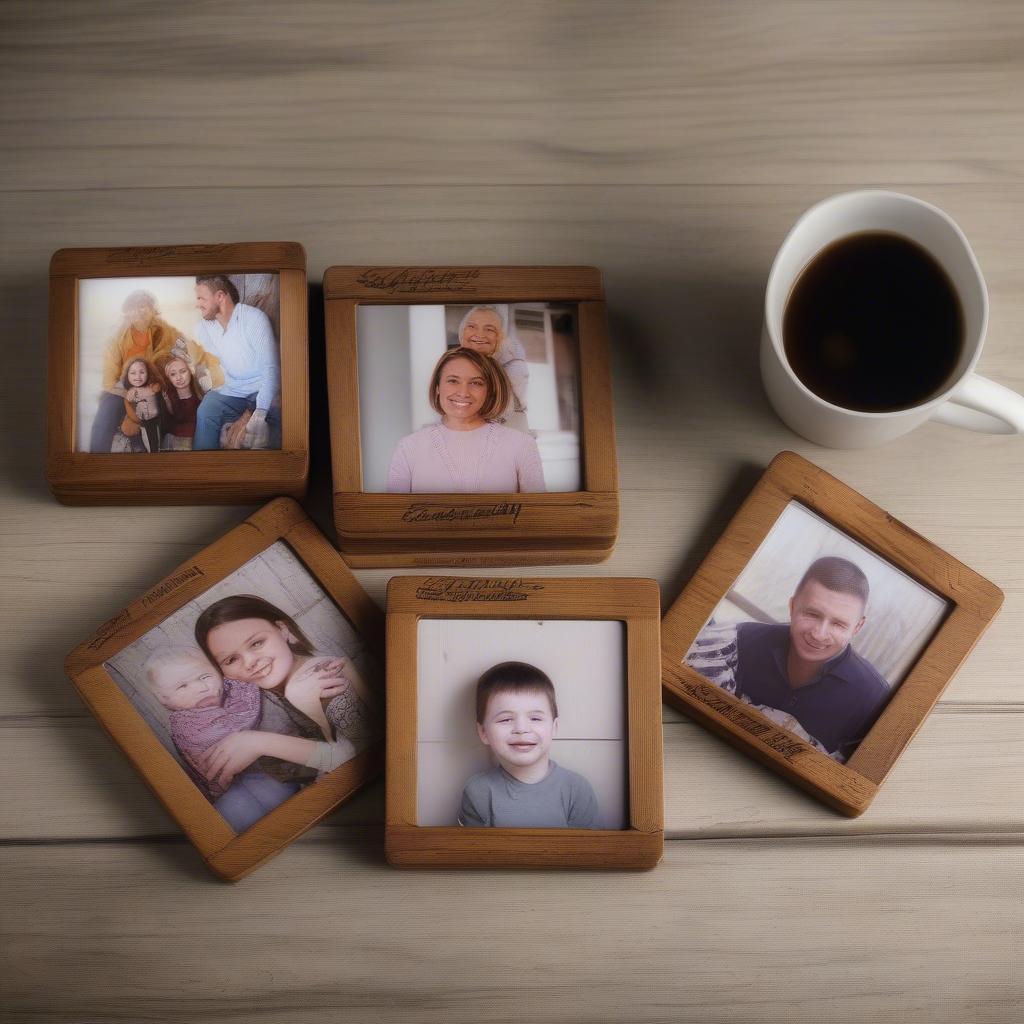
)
(805, 668)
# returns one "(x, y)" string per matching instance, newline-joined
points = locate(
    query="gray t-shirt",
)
(562, 799)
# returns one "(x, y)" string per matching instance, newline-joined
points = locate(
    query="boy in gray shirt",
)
(517, 717)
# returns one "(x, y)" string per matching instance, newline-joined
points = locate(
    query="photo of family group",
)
(469, 399)
(257, 687)
(521, 724)
(179, 363)
(817, 632)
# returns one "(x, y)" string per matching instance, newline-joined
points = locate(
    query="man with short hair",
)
(805, 668)
(242, 338)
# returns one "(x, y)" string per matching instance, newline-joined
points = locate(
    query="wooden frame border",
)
(201, 478)
(634, 602)
(376, 529)
(228, 854)
(973, 600)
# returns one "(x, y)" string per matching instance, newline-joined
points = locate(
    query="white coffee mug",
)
(969, 400)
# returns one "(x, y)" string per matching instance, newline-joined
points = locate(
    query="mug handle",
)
(982, 404)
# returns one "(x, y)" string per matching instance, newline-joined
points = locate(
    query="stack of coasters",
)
(543, 487)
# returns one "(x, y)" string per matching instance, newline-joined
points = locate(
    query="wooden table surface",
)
(671, 145)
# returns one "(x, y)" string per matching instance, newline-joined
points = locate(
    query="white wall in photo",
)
(586, 662)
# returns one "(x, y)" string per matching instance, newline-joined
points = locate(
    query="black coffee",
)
(874, 324)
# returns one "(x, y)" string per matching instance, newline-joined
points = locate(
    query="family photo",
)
(469, 399)
(522, 724)
(179, 363)
(257, 687)
(817, 633)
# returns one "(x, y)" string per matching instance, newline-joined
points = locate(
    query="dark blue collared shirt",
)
(837, 708)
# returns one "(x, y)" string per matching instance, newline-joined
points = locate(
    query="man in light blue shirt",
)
(242, 338)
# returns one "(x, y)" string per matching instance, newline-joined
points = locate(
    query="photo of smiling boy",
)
(517, 718)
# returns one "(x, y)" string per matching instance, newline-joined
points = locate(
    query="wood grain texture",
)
(958, 778)
(573, 93)
(326, 911)
(670, 144)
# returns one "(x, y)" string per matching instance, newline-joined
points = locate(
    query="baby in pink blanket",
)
(206, 709)
(204, 706)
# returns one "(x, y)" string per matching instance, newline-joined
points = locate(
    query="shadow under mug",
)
(968, 400)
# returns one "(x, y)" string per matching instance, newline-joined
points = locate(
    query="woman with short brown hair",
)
(467, 451)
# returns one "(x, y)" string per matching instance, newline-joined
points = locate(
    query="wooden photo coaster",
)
(471, 415)
(819, 633)
(524, 723)
(245, 687)
(178, 374)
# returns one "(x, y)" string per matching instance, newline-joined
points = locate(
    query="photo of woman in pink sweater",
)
(467, 452)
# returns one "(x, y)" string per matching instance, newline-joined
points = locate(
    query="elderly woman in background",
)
(483, 330)
(141, 334)
(468, 451)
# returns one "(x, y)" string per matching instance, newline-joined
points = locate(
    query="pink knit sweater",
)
(195, 730)
(492, 459)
